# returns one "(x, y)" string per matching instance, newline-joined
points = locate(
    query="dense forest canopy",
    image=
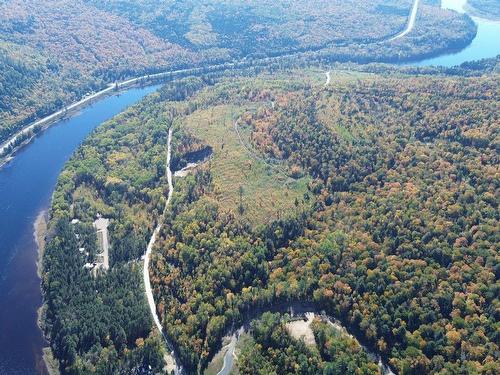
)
(392, 225)
(386, 218)
(67, 49)
(485, 8)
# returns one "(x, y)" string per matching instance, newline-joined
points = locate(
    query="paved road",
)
(47, 120)
(411, 22)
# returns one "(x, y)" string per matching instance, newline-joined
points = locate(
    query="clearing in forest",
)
(263, 191)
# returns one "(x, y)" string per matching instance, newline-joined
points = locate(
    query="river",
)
(26, 185)
(485, 44)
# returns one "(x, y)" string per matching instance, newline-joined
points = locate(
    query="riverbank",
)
(9, 148)
(40, 233)
(26, 135)
(484, 45)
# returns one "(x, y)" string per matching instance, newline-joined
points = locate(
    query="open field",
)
(266, 191)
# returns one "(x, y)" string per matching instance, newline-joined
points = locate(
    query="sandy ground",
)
(301, 329)
(40, 229)
(101, 225)
(186, 170)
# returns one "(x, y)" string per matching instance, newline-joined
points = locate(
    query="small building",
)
(101, 226)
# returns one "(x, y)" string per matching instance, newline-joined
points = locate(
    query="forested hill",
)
(67, 49)
(374, 198)
(485, 8)
(401, 242)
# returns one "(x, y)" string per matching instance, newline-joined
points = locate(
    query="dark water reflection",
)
(26, 186)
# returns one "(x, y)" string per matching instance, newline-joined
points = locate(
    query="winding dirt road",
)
(328, 78)
(171, 361)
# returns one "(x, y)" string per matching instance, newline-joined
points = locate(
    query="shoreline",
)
(39, 126)
(39, 233)
(46, 122)
(71, 110)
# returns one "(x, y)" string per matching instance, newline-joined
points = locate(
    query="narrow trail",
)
(147, 256)
(280, 171)
(411, 22)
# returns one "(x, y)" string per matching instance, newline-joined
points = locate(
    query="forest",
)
(387, 221)
(56, 52)
(400, 243)
(485, 8)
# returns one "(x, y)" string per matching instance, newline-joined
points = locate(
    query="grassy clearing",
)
(239, 178)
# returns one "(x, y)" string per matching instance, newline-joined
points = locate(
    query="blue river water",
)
(26, 186)
(486, 44)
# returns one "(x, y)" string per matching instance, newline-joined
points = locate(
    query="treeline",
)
(271, 350)
(401, 244)
(98, 321)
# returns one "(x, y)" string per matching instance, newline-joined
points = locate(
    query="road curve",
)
(147, 256)
(228, 364)
(411, 22)
(57, 115)
(328, 78)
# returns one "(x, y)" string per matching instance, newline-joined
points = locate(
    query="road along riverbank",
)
(28, 133)
(26, 187)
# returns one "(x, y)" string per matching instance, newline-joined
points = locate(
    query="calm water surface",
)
(26, 186)
(486, 44)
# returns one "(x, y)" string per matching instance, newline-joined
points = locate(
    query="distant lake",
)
(26, 186)
(486, 44)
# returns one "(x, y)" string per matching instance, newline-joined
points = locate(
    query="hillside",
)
(374, 198)
(57, 51)
(485, 8)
